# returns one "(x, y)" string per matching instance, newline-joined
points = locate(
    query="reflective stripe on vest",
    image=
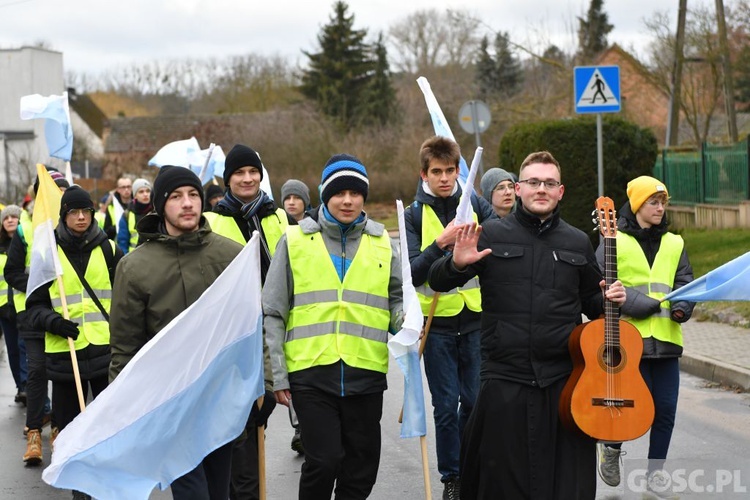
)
(449, 303)
(132, 230)
(92, 325)
(273, 227)
(656, 282)
(330, 320)
(27, 235)
(3, 283)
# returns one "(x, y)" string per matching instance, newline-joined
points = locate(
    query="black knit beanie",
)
(343, 172)
(75, 197)
(241, 156)
(170, 178)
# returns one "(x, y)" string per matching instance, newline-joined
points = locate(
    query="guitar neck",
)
(611, 311)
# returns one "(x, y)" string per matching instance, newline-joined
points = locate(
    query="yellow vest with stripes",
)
(449, 303)
(3, 283)
(273, 227)
(26, 232)
(93, 327)
(330, 320)
(656, 282)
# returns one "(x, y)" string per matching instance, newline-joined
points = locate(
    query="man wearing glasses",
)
(538, 275)
(124, 194)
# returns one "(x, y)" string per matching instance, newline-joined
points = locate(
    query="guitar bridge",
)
(613, 402)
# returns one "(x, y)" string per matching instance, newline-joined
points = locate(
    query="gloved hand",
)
(64, 328)
(259, 416)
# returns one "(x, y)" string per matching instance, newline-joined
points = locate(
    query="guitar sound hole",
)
(611, 358)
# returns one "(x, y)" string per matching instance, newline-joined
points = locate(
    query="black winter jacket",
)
(640, 305)
(93, 360)
(445, 208)
(538, 280)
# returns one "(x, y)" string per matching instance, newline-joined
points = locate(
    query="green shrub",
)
(629, 151)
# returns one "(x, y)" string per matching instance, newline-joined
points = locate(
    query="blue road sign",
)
(597, 89)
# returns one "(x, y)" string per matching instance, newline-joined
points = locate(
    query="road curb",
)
(715, 371)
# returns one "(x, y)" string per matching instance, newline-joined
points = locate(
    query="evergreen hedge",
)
(629, 151)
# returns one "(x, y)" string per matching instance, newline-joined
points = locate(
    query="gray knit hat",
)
(10, 211)
(491, 179)
(139, 184)
(299, 188)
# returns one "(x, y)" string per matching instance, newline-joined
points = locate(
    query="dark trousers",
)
(341, 437)
(210, 480)
(36, 382)
(16, 352)
(245, 483)
(65, 397)
(452, 367)
(515, 447)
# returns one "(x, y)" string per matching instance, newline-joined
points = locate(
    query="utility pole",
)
(727, 70)
(673, 125)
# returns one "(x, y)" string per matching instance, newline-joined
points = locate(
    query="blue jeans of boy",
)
(452, 367)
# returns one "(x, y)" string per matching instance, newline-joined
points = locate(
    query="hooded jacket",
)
(639, 305)
(421, 260)
(93, 360)
(338, 378)
(158, 280)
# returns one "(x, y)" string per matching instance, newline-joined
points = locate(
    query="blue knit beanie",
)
(343, 172)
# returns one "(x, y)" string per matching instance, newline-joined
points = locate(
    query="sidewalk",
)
(717, 352)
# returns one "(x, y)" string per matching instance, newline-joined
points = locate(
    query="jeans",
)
(451, 364)
(16, 352)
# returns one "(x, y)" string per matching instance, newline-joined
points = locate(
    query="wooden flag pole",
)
(261, 455)
(423, 341)
(425, 468)
(71, 345)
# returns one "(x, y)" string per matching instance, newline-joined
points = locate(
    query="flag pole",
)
(261, 455)
(423, 341)
(425, 468)
(71, 346)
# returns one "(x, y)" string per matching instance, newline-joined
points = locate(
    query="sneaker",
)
(33, 455)
(659, 483)
(452, 489)
(297, 442)
(20, 397)
(53, 432)
(608, 463)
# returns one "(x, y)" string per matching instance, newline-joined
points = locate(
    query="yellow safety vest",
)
(132, 230)
(100, 218)
(26, 232)
(449, 303)
(273, 227)
(93, 327)
(330, 320)
(3, 283)
(656, 282)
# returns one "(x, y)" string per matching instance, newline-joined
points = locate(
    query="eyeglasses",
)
(656, 203)
(77, 212)
(125, 187)
(535, 183)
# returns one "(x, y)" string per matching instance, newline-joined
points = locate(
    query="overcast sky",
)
(95, 35)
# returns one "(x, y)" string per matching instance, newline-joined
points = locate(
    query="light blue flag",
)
(404, 346)
(440, 124)
(186, 393)
(728, 282)
(179, 153)
(57, 129)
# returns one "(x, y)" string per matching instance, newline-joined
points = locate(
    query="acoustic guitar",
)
(605, 397)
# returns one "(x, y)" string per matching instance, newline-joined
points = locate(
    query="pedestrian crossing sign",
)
(597, 89)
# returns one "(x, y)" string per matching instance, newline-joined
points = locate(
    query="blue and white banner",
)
(58, 132)
(186, 393)
(728, 282)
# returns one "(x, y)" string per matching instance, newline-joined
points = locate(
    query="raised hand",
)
(465, 250)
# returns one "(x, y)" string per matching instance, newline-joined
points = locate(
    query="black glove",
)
(259, 416)
(64, 328)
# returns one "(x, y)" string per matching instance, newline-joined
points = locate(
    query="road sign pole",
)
(475, 120)
(599, 154)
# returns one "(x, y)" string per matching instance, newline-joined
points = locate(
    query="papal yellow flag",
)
(45, 264)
